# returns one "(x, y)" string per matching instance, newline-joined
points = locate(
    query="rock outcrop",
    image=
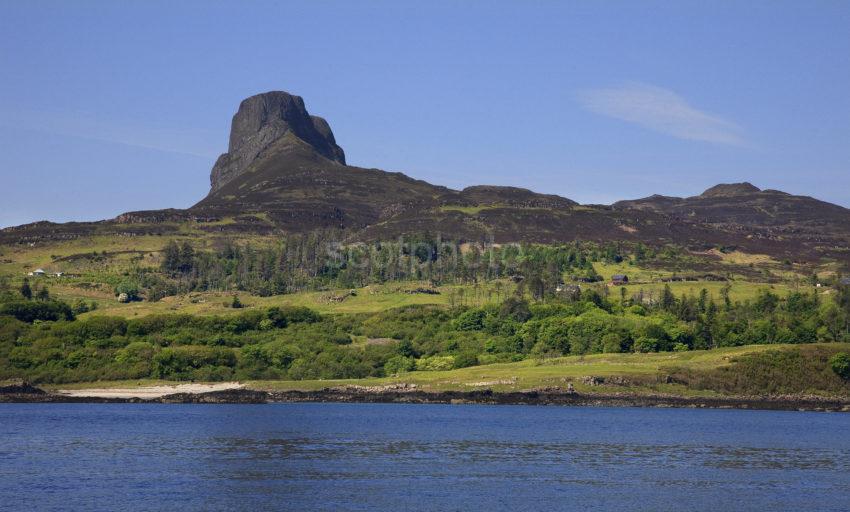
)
(263, 119)
(731, 190)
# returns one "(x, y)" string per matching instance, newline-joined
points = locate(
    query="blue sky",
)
(108, 107)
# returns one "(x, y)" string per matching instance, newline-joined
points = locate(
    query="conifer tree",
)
(26, 291)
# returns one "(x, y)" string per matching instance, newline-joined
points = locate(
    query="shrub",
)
(515, 309)
(399, 364)
(96, 327)
(106, 343)
(587, 330)
(130, 288)
(276, 354)
(26, 291)
(341, 339)
(406, 349)
(247, 321)
(331, 363)
(283, 316)
(472, 320)
(156, 323)
(840, 364)
(465, 359)
(136, 352)
(553, 336)
(804, 370)
(645, 344)
(212, 373)
(502, 345)
(435, 363)
(10, 330)
(178, 362)
(612, 343)
(30, 311)
(80, 306)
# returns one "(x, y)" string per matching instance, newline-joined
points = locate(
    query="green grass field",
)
(739, 290)
(537, 373)
(17, 260)
(374, 298)
(369, 299)
(642, 373)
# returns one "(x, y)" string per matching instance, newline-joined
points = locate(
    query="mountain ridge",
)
(284, 172)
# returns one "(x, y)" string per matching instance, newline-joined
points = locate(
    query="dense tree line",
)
(297, 343)
(30, 305)
(313, 261)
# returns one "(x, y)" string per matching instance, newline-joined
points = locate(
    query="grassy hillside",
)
(734, 371)
(375, 298)
(643, 372)
(441, 314)
(93, 266)
(369, 299)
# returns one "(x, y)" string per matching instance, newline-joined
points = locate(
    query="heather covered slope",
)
(741, 205)
(298, 189)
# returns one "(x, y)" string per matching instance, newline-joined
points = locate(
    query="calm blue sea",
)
(418, 457)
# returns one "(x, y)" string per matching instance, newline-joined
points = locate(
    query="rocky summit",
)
(263, 119)
(730, 190)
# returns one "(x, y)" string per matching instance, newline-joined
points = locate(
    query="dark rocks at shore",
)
(412, 395)
(228, 396)
(20, 387)
(560, 397)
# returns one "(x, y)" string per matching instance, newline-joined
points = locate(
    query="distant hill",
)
(743, 205)
(284, 172)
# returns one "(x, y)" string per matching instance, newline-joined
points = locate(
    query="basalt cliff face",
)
(263, 119)
(285, 173)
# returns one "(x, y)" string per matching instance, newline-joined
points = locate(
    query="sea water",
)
(419, 457)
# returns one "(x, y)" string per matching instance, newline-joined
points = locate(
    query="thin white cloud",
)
(130, 142)
(85, 125)
(661, 110)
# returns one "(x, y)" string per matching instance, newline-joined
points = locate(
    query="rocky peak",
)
(263, 119)
(731, 189)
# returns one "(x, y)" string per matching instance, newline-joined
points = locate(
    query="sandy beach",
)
(148, 392)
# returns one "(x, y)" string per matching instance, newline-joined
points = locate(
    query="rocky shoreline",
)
(557, 397)
(26, 393)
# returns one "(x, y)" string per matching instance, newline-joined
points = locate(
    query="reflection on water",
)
(477, 452)
(414, 457)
